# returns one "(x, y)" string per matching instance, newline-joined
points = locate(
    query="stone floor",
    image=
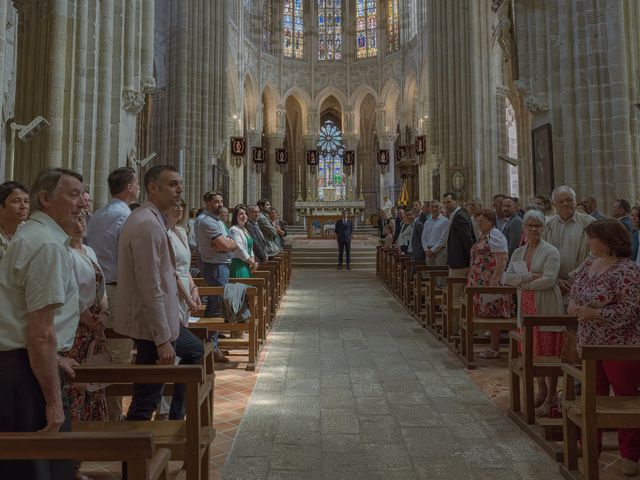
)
(352, 388)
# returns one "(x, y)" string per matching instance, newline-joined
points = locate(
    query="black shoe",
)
(339, 267)
(348, 267)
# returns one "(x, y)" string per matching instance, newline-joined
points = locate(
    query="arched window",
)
(393, 26)
(512, 147)
(331, 151)
(267, 26)
(329, 29)
(366, 27)
(293, 25)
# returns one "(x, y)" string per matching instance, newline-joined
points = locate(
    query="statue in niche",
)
(502, 34)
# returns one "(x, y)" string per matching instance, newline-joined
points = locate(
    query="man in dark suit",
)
(259, 243)
(399, 221)
(459, 242)
(344, 229)
(417, 252)
(512, 228)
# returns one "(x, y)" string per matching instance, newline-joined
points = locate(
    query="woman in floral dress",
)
(534, 270)
(605, 297)
(488, 261)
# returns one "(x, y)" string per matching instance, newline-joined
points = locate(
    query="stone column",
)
(386, 141)
(310, 142)
(276, 140)
(351, 141)
(254, 139)
(147, 81)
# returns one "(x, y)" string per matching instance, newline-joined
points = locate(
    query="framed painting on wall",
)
(542, 147)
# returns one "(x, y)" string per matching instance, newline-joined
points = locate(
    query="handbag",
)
(569, 352)
(95, 359)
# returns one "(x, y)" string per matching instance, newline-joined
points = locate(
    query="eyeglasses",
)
(568, 201)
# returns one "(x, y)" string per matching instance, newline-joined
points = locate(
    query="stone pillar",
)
(351, 141)
(147, 81)
(386, 141)
(254, 139)
(276, 140)
(310, 142)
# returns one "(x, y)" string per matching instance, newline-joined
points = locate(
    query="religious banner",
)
(401, 152)
(238, 150)
(383, 160)
(348, 160)
(259, 158)
(282, 158)
(312, 160)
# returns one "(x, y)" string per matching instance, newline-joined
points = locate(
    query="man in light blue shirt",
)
(434, 236)
(102, 235)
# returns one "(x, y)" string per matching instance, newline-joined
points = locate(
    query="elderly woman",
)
(14, 210)
(244, 261)
(604, 296)
(488, 261)
(534, 270)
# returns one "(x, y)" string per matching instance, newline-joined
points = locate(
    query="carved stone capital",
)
(311, 141)
(132, 101)
(536, 104)
(23, 6)
(148, 85)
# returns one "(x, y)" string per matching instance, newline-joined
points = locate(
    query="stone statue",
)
(502, 29)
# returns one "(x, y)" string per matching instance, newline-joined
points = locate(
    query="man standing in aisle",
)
(268, 230)
(147, 307)
(102, 235)
(215, 247)
(39, 317)
(344, 230)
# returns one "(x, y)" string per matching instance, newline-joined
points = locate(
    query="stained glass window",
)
(393, 26)
(267, 25)
(331, 151)
(329, 29)
(293, 26)
(366, 28)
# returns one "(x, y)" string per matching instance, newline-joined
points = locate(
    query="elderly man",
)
(590, 206)
(147, 303)
(259, 243)
(102, 235)
(434, 236)
(406, 232)
(567, 232)
(39, 317)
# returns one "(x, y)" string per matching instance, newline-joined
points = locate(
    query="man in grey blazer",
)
(147, 302)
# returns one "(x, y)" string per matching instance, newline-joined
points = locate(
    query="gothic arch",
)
(328, 92)
(356, 103)
(250, 98)
(303, 99)
(234, 91)
(389, 97)
(410, 102)
(270, 109)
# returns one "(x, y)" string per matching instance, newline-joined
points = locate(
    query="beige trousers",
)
(120, 350)
(458, 293)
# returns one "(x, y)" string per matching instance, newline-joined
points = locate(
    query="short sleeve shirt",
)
(36, 272)
(498, 242)
(208, 227)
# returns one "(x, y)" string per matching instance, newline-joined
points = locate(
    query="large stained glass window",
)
(267, 25)
(366, 27)
(293, 25)
(331, 151)
(329, 29)
(393, 26)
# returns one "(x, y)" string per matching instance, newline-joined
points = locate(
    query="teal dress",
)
(240, 269)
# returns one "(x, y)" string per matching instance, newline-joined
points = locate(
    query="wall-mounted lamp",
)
(25, 133)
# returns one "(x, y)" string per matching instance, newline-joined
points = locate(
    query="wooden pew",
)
(409, 276)
(250, 326)
(435, 297)
(137, 449)
(588, 412)
(262, 308)
(470, 323)
(451, 313)
(188, 440)
(422, 289)
(269, 280)
(523, 368)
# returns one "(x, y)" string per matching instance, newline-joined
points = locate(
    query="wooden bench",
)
(471, 323)
(523, 368)
(262, 307)
(435, 298)
(188, 440)
(137, 449)
(218, 323)
(451, 313)
(587, 413)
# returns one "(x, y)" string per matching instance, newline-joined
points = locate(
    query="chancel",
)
(183, 181)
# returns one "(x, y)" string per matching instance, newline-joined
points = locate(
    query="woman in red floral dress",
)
(605, 297)
(488, 261)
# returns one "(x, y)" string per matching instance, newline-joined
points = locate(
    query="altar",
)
(319, 217)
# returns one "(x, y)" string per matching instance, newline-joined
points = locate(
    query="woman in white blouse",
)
(244, 261)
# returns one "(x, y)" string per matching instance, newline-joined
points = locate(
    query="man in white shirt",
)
(103, 233)
(39, 317)
(434, 236)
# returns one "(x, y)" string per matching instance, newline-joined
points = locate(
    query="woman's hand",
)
(91, 321)
(585, 313)
(535, 276)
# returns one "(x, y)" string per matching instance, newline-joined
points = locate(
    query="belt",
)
(112, 284)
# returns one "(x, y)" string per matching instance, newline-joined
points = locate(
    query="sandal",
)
(490, 354)
(544, 410)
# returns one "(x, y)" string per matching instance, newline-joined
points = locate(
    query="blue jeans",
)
(216, 275)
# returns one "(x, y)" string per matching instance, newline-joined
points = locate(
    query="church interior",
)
(347, 109)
